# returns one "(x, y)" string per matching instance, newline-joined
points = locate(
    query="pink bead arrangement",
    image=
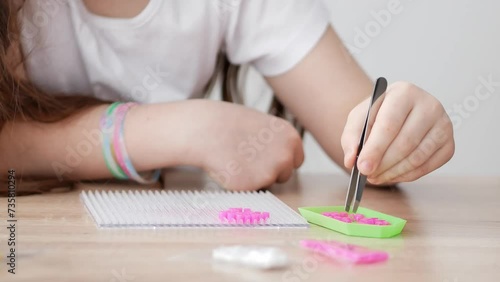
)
(243, 216)
(345, 252)
(355, 218)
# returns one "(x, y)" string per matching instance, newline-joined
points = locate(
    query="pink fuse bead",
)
(247, 218)
(370, 221)
(255, 218)
(343, 219)
(346, 220)
(231, 217)
(381, 222)
(358, 216)
(239, 218)
(223, 215)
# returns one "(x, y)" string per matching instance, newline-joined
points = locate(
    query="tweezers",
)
(358, 181)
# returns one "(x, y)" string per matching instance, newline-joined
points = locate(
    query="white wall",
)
(442, 46)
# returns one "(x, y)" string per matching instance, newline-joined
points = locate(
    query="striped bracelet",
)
(107, 126)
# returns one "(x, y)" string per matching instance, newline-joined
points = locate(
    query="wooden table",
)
(452, 235)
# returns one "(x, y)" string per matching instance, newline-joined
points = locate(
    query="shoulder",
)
(273, 35)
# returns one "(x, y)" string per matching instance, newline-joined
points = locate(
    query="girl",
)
(63, 62)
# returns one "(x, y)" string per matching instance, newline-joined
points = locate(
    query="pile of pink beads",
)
(345, 252)
(243, 216)
(355, 218)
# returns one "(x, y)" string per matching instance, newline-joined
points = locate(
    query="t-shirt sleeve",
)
(273, 35)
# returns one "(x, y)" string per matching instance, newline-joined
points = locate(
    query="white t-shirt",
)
(168, 51)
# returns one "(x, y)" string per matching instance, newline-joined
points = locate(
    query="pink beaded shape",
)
(243, 216)
(355, 218)
(345, 252)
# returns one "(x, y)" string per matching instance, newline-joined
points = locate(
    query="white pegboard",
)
(176, 209)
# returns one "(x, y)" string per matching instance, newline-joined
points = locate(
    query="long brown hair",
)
(21, 100)
(18, 97)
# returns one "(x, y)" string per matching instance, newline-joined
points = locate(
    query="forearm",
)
(321, 91)
(72, 148)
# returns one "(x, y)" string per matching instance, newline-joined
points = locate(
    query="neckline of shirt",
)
(107, 22)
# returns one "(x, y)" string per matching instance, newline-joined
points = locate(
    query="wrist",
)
(157, 136)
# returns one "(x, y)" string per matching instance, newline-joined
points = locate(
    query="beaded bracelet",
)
(107, 125)
(120, 150)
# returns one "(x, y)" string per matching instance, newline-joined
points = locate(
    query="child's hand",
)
(412, 136)
(243, 149)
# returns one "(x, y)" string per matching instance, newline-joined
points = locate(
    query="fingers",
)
(285, 175)
(431, 153)
(288, 168)
(352, 132)
(443, 155)
(388, 123)
(288, 165)
(418, 123)
(298, 155)
(411, 136)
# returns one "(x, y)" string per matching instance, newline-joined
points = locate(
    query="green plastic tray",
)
(313, 215)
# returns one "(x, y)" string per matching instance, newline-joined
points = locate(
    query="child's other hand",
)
(243, 149)
(412, 136)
